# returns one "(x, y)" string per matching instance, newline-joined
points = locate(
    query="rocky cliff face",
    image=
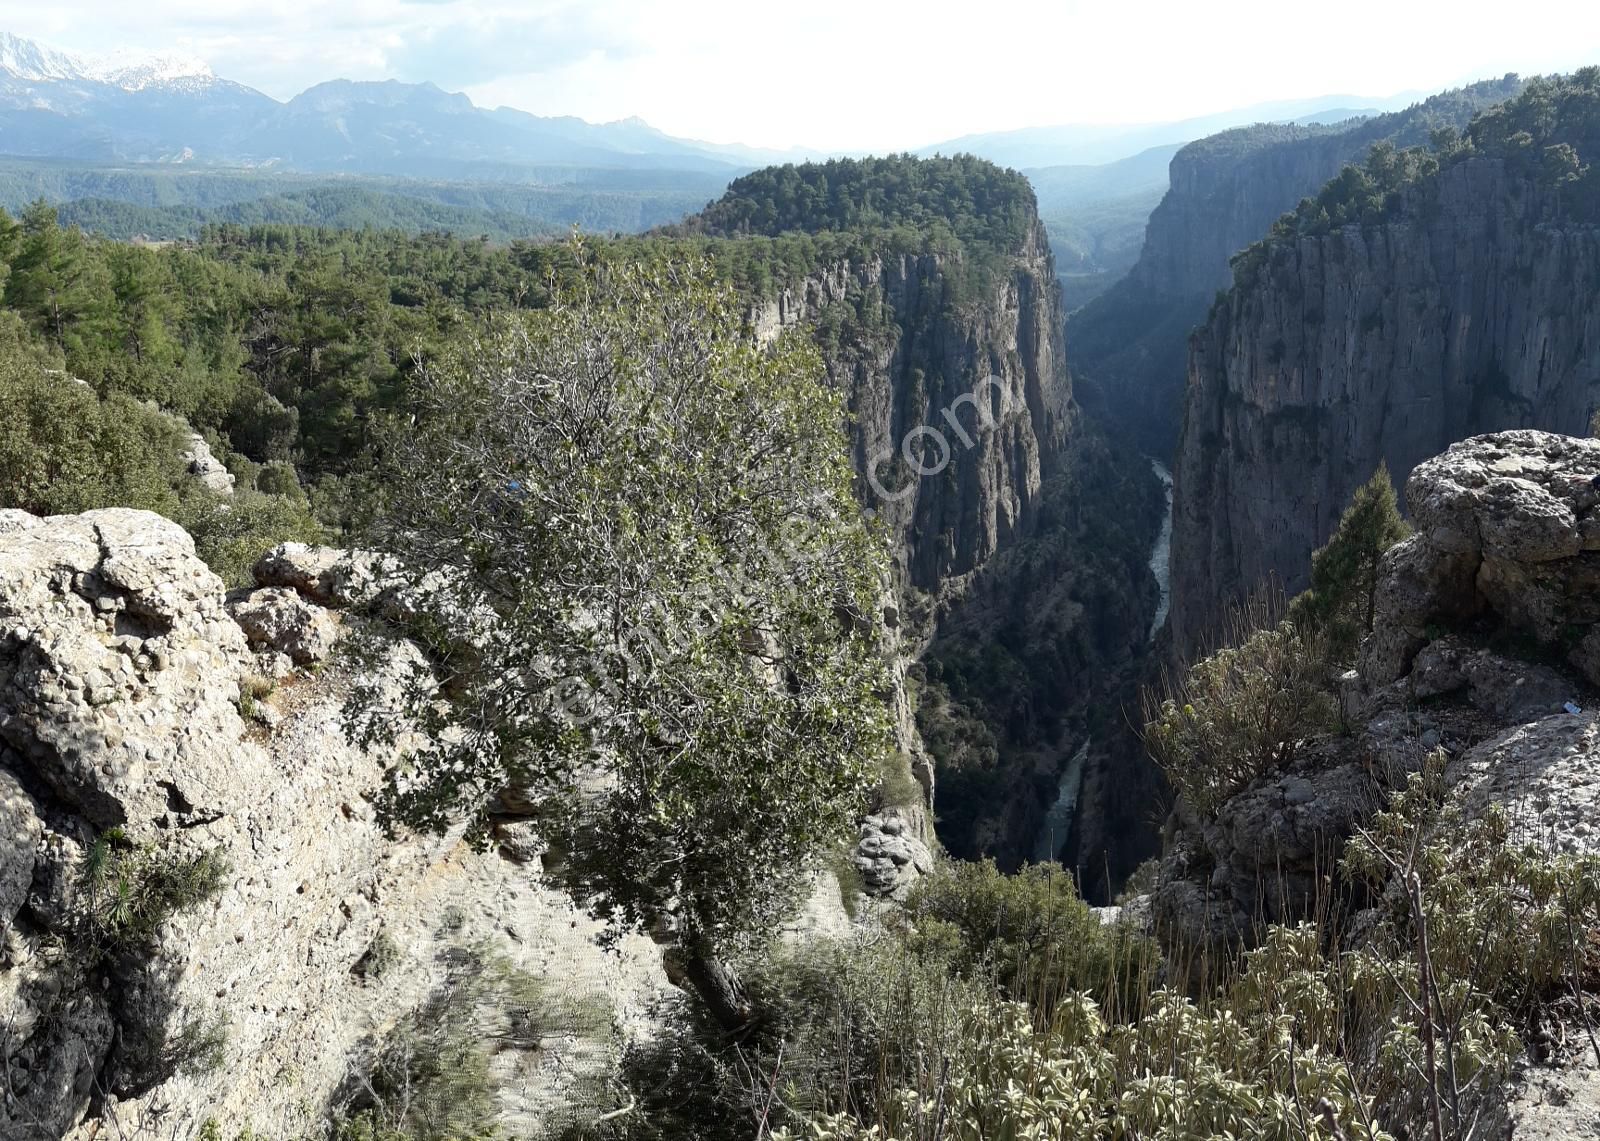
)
(1484, 648)
(1022, 552)
(139, 730)
(959, 409)
(1129, 345)
(1473, 309)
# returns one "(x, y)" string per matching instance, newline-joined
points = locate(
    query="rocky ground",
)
(131, 697)
(1486, 645)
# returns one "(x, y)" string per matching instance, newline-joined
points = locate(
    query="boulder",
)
(1508, 528)
(889, 855)
(20, 832)
(278, 619)
(120, 670)
(327, 576)
(203, 464)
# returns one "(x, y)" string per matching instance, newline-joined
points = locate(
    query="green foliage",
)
(962, 207)
(1030, 935)
(647, 542)
(431, 1079)
(1239, 713)
(978, 201)
(1547, 136)
(127, 891)
(1344, 573)
(64, 450)
(231, 533)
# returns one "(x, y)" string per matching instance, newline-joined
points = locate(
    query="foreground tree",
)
(1344, 574)
(647, 588)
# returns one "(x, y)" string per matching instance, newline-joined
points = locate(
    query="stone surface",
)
(211, 473)
(119, 673)
(889, 855)
(326, 575)
(279, 619)
(1226, 192)
(1544, 775)
(20, 832)
(1384, 343)
(1500, 524)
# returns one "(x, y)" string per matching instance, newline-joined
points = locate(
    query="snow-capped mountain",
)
(130, 108)
(33, 62)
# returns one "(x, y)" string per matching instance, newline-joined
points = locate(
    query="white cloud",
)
(877, 74)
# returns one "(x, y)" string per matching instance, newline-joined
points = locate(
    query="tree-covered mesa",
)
(286, 345)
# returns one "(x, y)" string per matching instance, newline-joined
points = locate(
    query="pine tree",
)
(1344, 574)
(52, 280)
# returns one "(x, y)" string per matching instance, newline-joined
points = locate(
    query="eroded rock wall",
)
(1476, 309)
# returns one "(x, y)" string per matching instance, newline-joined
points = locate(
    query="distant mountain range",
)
(1083, 144)
(59, 106)
(175, 111)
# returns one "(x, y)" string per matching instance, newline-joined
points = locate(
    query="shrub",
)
(1030, 935)
(1240, 713)
(127, 891)
(1248, 1065)
(1339, 606)
(432, 1078)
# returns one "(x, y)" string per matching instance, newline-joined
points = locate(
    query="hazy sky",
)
(856, 74)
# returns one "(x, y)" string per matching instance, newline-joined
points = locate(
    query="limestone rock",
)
(118, 669)
(326, 575)
(889, 855)
(20, 831)
(279, 619)
(1544, 775)
(211, 473)
(119, 673)
(1454, 317)
(1501, 525)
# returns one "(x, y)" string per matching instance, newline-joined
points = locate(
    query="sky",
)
(846, 74)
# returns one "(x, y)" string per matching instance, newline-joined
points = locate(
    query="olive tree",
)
(648, 596)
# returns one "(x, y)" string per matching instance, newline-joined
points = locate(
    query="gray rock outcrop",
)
(1226, 191)
(203, 464)
(1507, 532)
(278, 619)
(928, 359)
(120, 672)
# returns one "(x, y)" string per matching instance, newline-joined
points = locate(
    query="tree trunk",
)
(695, 966)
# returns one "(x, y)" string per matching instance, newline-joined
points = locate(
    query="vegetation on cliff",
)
(1547, 137)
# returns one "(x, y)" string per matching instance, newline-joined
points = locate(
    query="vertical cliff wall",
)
(1021, 537)
(1467, 301)
(960, 408)
(1129, 346)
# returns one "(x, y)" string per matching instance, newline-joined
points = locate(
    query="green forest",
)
(285, 345)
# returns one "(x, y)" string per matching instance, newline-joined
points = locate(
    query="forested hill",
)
(972, 199)
(1424, 297)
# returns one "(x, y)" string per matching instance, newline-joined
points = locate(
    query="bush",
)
(1240, 713)
(1339, 606)
(127, 891)
(230, 533)
(1249, 1065)
(1030, 936)
(432, 1078)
